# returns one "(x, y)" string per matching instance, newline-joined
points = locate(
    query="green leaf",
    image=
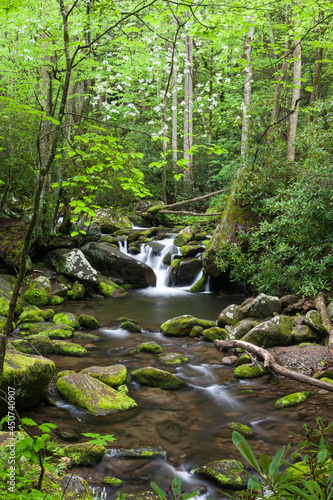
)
(158, 490)
(265, 463)
(244, 448)
(175, 486)
(276, 462)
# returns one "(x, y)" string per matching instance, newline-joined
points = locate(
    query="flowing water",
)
(190, 424)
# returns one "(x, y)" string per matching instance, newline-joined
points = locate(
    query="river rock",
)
(75, 485)
(293, 399)
(214, 333)
(173, 358)
(250, 371)
(113, 375)
(87, 321)
(229, 316)
(228, 473)
(53, 331)
(184, 236)
(200, 285)
(172, 273)
(243, 429)
(83, 453)
(271, 333)
(93, 396)
(191, 250)
(140, 452)
(153, 397)
(182, 325)
(112, 262)
(312, 319)
(187, 271)
(170, 430)
(35, 345)
(148, 347)
(113, 481)
(303, 333)
(130, 326)
(59, 290)
(262, 306)
(238, 331)
(66, 319)
(38, 292)
(30, 316)
(72, 263)
(154, 377)
(110, 221)
(77, 291)
(93, 232)
(68, 348)
(109, 288)
(29, 375)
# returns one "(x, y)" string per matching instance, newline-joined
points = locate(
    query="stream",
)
(191, 423)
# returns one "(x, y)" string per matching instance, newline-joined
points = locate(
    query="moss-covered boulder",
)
(93, 396)
(196, 331)
(83, 453)
(113, 481)
(113, 375)
(66, 319)
(67, 348)
(108, 288)
(238, 331)
(229, 316)
(111, 221)
(312, 319)
(173, 358)
(228, 474)
(37, 345)
(38, 292)
(214, 333)
(152, 347)
(55, 300)
(293, 399)
(249, 371)
(28, 375)
(262, 306)
(303, 333)
(52, 331)
(87, 321)
(188, 271)
(200, 285)
(243, 429)
(130, 326)
(77, 291)
(172, 273)
(191, 250)
(86, 336)
(182, 325)
(73, 263)
(140, 452)
(243, 360)
(30, 316)
(184, 236)
(274, 332)
(6, 291)
(154, 377)
(74, 487)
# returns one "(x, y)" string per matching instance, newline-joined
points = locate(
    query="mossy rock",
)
(38, 345)
(228, 474)
(130, 326)
(327, 379)
(292, 399)
(113, 481)
(3, 321)
(243, 360)
(248, 371)
(63, 373)
(140, 452)
(38, 292)
(55, 300)
(182, 325)
(196, 331)
(173, 358)
(303, 333)
(84, 453)
(191, 250)
(108, 288)
(75, 487)
(77, 291)
(274, 332)
(241, 428)
(113, 375)
(6, 291)
(238, 331)
(92, 396)
(123, 389)
(67, 348)
(30, 316)
(86, 336)
(261, 306)
(229, 316)
(66, 319)
(214, 333)
(152, 347)
(154, 377)
(28, 375)
(313, 320)
(87, 321)
(200, 285)
(47, 314)
(184, 236)
(324, 374)
(52, 331)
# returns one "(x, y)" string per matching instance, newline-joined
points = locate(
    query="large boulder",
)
(271, 333)
(37, 345)
(38, 292)
(29, 375)
(108, 288)
(66, 319)
(53, 331)
(238, 331)
(113, 375)
(182, 325)
(93, 396)
(68, 348)
(72, 263)
(184, 236)
(111, 262)
(229, 316)
(228, 473)
(188, 270)
(262, 306)
(110, 221)
(154, 377)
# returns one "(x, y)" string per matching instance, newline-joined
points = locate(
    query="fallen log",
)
(195, 214)
(272, 365)
(327, 324)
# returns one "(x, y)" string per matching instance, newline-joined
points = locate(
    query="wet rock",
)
(38, 292)
(237, 332)
(59, 290)
(93, 396)
(260, 307)
(66, 319)
(249, 371)
(113, 375)
(83, 453)
(191, 250)
(274, 332)
(67, 348)
(130, 326)
(113, 481)
(110, 221)
(38, 345)
(292, 399)
(109, 288)
(142, 452)
(30, 316)
(173, 358)
(214, 333)
(243, 360)
(77, 291)
(188, 270)
(229, 360)
(72, 263)
(67, 432)
(75, 485)
(87, 321)
(182, 325)
(170, 430)
(229, 316)
(112, 262)
(184, 236)
(152, 347)
(241, 428)
(303, 333)
(196, 331)
(154, 377)
(52, 331)
(228, 473)
(312, 319)
(29, 375)
(200, 285)
(153, 397)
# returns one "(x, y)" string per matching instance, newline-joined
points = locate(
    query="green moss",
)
(84, 453)
(55, 300)
(248, 371)
(292, 399)
(214, 333)
(200, 285)
(110, 289)
(196, 331)
(38, 292)
(67, 348)
(87, 321)
(182, 325)
(152, 347)
(63, 373)
(113, 481)
(52, 331)
(241, 428)
(154, 377)
(243, 360)
(228, 473)
(77, 292)
(86, 336)
(123, 389)
(131, 327)
(113, 376)
(173, 358)
(66, 319)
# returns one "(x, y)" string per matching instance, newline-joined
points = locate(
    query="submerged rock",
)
(113, 375)
(154, 377)
(93, 396)
(173, 358)
(182, 325)
(228, 473)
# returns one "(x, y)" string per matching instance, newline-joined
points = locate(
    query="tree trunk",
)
(174, 144)
(327, 324)
(247, 93)
(316, 80)
(188, 114)
(269, 362)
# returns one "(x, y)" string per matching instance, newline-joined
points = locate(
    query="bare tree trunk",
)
(292, 128)
(269, 362)
(316, 80)
(247, 93)
(327, 324)
(188, 114)
(174, 143)
(164, 130)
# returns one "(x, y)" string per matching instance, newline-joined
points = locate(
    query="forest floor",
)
(305, 359)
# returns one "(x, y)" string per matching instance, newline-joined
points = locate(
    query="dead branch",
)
(270, 363)
(183, 212)
(193, 199)
(327, 324)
